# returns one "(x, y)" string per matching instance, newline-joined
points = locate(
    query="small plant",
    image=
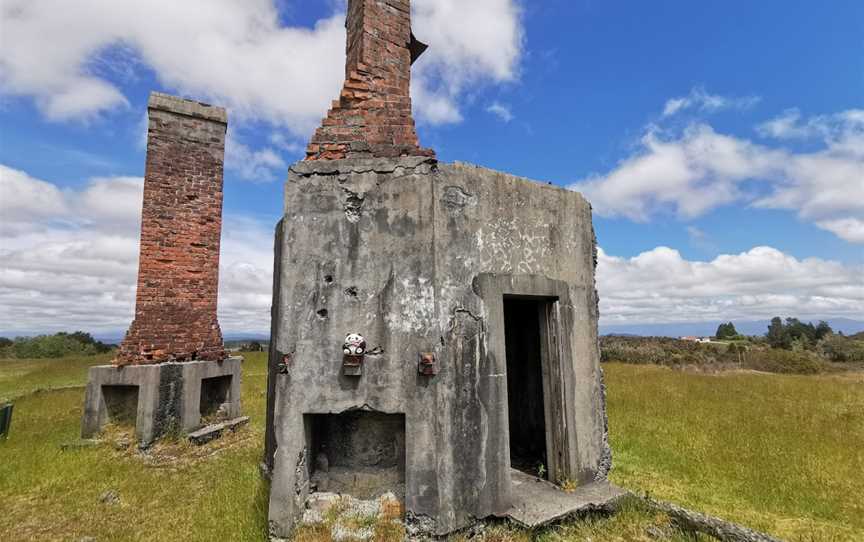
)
(568, 485)
(541, 470)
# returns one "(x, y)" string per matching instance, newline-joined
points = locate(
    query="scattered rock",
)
(341, 533)
(350, 516)
(110, 497)
(419, 527)
(478, 529)
(122, 443)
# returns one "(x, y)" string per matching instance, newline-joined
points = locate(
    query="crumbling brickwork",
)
(181, 224)
(372, 117)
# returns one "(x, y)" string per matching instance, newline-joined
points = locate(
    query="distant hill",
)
(679, 329)
(705, 329)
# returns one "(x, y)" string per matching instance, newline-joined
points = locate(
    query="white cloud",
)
(262, 165)
(26, 199)
(701, 101)
(70, 258)
(74, 265)
(698, 170)
(238, 55)
(688, 175)
(433, 107)
(660, 286)
(470, 43)
(501, 111)
(850, 229)
(792, 125)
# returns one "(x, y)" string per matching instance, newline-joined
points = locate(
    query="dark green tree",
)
(823, 330)
(726, 331)
(776, 335)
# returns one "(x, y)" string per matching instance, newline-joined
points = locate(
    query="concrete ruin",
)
(434, 326)
(172, 370)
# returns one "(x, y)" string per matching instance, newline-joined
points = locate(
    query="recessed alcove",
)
(215, 394)
(357, 453)
(121, 404)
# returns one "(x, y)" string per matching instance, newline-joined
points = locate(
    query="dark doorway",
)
(523, 342)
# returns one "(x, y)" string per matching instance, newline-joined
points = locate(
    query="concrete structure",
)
(163, 398)
(172, 369)
(492, 275)
(434, 326)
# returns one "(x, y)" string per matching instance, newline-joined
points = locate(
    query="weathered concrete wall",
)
(168, 396)
(417, 256)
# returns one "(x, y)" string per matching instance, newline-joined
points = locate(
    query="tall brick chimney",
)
(372, 117)
(181, 225)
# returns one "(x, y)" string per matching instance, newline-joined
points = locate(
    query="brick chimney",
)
(181, 225)
(372, 117)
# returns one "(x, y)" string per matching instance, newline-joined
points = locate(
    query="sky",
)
(721, 144)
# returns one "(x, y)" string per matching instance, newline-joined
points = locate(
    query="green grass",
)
(23, 376)
(782, 454)
(778, 453)
(175, 494)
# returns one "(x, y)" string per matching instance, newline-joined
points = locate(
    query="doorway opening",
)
(524, 320)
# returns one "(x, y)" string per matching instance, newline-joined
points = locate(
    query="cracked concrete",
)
(422, 266)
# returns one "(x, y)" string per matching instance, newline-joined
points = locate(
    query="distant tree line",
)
(52, 346)
(794, 333)
(789, 346)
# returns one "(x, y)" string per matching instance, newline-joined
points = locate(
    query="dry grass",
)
(778, 453)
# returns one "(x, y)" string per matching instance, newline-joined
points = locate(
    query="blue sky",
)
(706, 134)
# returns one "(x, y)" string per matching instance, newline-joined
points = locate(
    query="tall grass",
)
(778, 453)
(783, 454)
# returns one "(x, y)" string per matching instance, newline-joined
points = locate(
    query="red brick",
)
(376, 90)
(181, 225)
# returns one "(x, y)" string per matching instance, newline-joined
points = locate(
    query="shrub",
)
(665, 351)
(774, 360)
(55, 346)
(842, 349)
(675, 353)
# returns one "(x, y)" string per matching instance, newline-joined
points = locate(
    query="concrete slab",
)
(537, 502)
(214, 431)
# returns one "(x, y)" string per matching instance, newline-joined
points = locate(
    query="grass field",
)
(784, 454)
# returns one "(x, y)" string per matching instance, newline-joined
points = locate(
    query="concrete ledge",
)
(720, 529)
(160, 398)
(214, 431)
(189, 108)
(359, 165)
(537, 502)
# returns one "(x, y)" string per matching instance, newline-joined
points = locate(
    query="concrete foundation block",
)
(158, 399)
